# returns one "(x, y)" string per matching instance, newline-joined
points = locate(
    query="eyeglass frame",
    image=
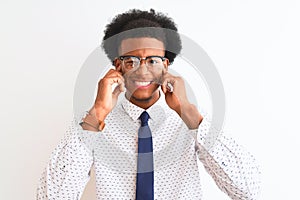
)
(121, 58)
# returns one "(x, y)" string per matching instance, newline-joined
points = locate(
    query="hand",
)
(175, 94)
(106, 98)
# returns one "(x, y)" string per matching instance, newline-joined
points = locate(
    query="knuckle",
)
(103, 81)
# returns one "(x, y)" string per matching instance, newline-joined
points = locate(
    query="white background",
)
(254, 44)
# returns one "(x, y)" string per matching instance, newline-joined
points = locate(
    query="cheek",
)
(158, 77)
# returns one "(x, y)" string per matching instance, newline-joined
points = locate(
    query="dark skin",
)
(142, 85)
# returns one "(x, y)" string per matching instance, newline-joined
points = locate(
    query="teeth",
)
(138, 83)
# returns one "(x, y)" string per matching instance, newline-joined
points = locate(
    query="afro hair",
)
(137, 23)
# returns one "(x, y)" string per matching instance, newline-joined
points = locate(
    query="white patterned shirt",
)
(113, 152)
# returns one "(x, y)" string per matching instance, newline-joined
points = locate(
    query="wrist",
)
(191, 116)
(98, 112)
(88, 127)
(91, 122)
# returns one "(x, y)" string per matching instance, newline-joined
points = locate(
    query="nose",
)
(142, 69)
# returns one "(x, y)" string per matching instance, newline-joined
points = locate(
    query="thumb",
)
(163, 88)
(117, 91)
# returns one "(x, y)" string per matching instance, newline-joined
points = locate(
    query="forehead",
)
(143, 44)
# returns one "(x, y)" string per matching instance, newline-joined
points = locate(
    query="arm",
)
(233, 169)
(105, 101)
(68, 170)
(177, 100)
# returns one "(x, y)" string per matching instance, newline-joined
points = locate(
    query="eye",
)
(154, 60)
(130, 61)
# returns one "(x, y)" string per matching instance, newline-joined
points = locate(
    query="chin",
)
(141, 99)
(142, 95)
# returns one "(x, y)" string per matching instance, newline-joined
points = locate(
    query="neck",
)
(143, 103)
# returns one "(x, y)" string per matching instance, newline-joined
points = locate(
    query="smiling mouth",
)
(142, 83)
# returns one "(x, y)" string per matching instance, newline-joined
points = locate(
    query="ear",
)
(166, 65)
(117, 64)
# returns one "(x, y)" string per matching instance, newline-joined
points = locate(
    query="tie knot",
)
(144, 118)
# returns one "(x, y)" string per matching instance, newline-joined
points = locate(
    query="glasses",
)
(152, 62)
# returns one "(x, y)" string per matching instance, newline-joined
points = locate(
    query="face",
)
(142, 83)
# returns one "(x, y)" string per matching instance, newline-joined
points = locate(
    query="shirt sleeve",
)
(68, 170)
(232, 167)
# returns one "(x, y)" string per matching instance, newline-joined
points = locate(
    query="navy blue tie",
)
(145, 174)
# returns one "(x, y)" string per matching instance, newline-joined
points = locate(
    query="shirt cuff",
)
(79, 120)
(85, 136)
(206, 134)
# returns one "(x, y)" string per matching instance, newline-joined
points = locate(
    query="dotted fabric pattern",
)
(113, 152)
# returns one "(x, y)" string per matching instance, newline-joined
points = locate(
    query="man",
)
(146, 146)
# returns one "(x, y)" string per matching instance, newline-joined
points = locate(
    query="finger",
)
(164, 86)
(163, 82)
(117, 91)
(114, 79)
(110, 71)
(113, 73)
(163, 89)
(168, 84)
(121, 84)
(169, 87)
(117, 80)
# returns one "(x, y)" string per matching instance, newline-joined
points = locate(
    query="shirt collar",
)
(156, 111)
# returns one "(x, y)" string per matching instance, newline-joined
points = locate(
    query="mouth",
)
(142, 84)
